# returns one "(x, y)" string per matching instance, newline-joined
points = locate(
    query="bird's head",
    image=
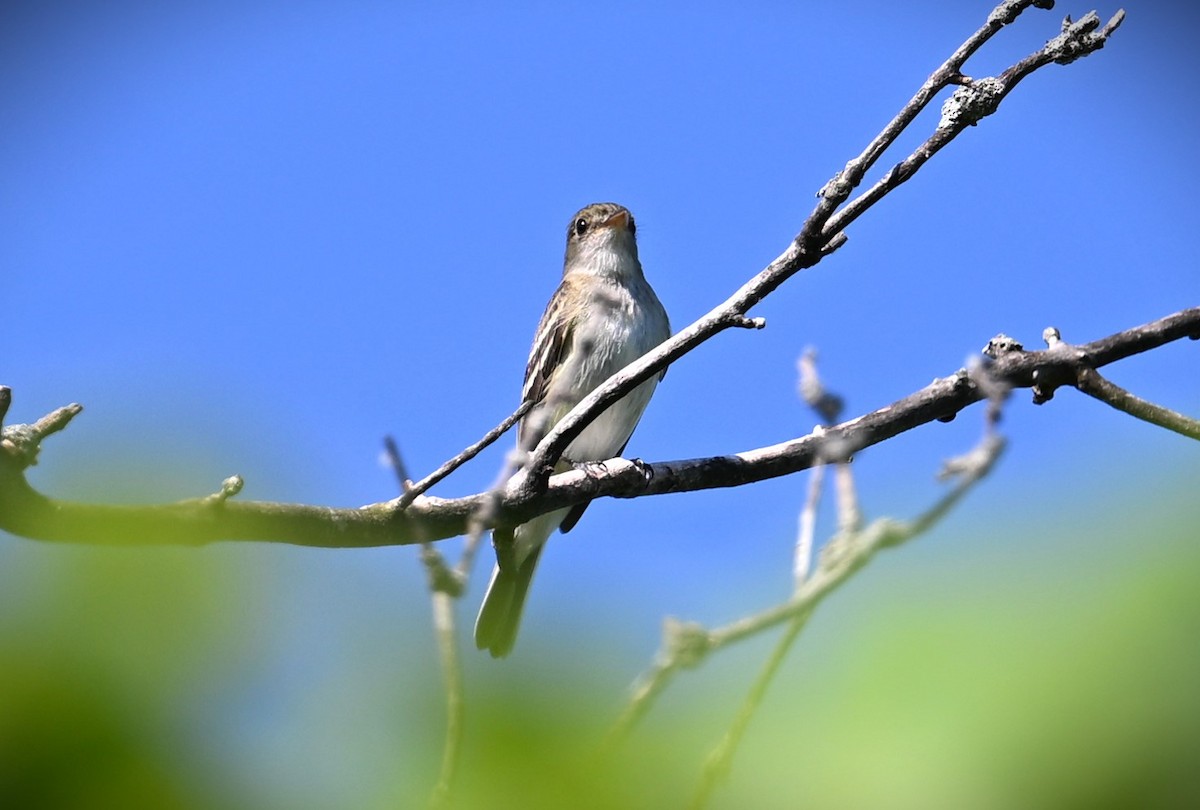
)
(601, 240)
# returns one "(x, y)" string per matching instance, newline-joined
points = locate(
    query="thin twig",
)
(984, 456)
(828, 407)
(947, 74)
(444, 588)
(972, 102)
(453, 585)
(842, 557)
(848, 553)
(22, 442)
(448, 584)
(447, 643)
(716, 766)
(1093, 384)
(412, 491)
(848, 513)
(803, 557)
(685, 644)
(470, 548)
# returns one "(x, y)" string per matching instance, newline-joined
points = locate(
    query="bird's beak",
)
(618, 220)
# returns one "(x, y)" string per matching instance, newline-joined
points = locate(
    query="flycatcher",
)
(602, 317)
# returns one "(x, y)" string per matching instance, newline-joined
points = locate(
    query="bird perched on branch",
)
(603, 316)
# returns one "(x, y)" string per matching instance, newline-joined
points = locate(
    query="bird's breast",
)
(617, 331)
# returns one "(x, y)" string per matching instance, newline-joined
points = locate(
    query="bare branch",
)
(1090, 382)
(845, 554)
(26, 512)
(806, 531)
(948, 73)
(22, 442)
(685, 644)
(716, 766)
(445, 585)
(1093, 384)
(411, 491)
(828, 407)
(447, 643)
(972, 101)
(823, 228)
(974, 465)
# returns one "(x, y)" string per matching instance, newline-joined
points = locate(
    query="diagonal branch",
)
(1094, 385)
(686, 645)
(822, 232)
(828, 407)
(411, 492)
(974, 100)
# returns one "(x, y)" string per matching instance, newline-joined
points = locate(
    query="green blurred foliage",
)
(244, 676)
(101, 663)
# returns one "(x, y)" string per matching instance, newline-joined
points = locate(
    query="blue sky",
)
(256, 237)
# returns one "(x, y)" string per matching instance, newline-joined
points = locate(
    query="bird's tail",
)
(500, 613)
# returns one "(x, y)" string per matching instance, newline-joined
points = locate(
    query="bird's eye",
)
(581, 226)
(632, 227)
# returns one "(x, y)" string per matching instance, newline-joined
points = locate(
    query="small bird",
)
(602, 317)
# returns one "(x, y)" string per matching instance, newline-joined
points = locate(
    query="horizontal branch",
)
(26, 512)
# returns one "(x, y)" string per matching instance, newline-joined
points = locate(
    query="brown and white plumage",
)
(603, 316)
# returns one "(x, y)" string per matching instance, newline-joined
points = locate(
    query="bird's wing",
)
(550, 344)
